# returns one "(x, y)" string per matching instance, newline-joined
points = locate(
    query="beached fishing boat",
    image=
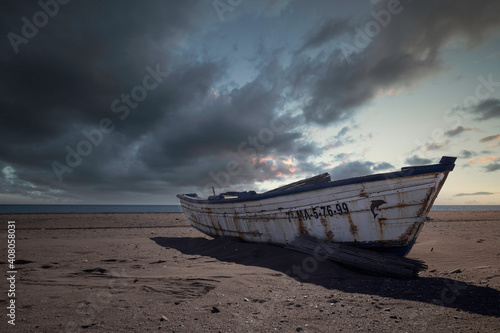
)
(384, 211)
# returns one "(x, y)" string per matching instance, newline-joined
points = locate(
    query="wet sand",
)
(153, 272)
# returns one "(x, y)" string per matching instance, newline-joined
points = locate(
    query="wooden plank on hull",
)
(322, 178)
(365, 260)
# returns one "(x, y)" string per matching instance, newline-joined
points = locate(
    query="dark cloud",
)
(416, 160)
(343, 131)
(433, 146)
(492, 167)
(358, 168)
(467, 153)
(475, 193)
(487, 109)
(64, 80)
(54, 93)
(351, 169)
(383, 166)
(340, 139)
(458, 130)
(490, 138)
(484, 109)
(406, 50)
(329, 30)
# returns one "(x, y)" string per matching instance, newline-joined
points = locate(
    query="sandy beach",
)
(153, 272)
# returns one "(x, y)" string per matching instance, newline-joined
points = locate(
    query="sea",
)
(82, 209)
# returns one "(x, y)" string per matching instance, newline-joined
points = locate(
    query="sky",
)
(129, 102)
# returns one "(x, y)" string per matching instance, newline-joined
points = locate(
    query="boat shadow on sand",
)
(441, 291)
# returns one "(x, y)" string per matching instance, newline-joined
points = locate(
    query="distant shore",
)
(152, 271)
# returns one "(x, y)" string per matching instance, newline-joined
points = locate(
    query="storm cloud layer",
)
(117, 101)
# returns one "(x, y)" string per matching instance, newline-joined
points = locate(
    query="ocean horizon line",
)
(159, 208)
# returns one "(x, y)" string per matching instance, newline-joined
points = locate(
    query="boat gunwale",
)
(445, 165)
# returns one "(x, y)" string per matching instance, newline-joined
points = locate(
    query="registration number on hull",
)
(318, 212)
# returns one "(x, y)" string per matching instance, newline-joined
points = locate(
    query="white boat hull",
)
(385, 214)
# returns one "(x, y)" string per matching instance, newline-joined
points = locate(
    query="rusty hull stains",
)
(429, 200)
(401, 204)
(425, 202)
(323, 222)
(328, 232)
(302, 227)
(213, 223)
(382, 223)
(410, 232)
(236, 221)
(353, 229)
